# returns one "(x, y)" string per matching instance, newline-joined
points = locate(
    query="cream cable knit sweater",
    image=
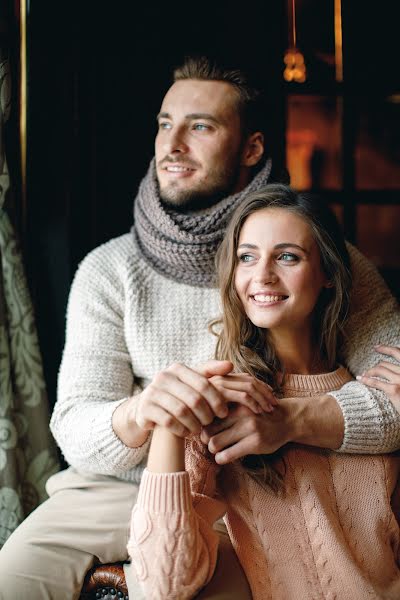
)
(333, 536)
(125, 322)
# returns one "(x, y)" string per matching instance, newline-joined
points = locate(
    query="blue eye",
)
(164, 125)
(288, 257)
(200, 127)
(245, 258)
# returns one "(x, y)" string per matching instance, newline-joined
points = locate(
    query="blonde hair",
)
(249, 347)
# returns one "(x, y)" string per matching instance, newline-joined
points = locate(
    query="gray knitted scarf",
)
(180, 246)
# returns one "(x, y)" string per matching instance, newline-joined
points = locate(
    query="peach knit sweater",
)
(333, 535)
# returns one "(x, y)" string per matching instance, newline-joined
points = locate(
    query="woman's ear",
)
(329, 284)
(253, 149)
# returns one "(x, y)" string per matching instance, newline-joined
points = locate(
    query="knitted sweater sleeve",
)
(372, 425)
(172, 543)
(95, 374)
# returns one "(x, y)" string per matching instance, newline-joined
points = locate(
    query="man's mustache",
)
(177, 160)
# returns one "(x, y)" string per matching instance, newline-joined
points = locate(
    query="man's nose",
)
(176, 141)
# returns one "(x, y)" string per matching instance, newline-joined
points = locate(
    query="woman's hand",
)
(242, 388)
(387, 371)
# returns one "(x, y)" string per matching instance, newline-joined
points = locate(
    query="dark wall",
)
(97, 75)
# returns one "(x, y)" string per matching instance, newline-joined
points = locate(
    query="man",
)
(137, 328)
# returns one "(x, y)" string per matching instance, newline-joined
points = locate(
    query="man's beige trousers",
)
(84, 521)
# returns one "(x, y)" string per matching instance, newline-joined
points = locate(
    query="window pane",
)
(313, 141)
(378, 234)
(378, 144)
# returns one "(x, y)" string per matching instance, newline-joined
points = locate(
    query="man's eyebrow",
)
(277, 246)
(163, 115)
(206, 116)
(191, 117)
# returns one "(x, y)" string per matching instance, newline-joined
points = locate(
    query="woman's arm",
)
(172, 544)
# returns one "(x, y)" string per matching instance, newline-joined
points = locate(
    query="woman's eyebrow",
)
(291, 245)
(247, 246)
(277, 246)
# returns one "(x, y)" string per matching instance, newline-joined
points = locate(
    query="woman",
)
(304, 522)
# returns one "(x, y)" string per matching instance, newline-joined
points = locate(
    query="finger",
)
(187, 396)
(391, 366)
(164, 419)
(229, 436)
(181, 412)
(376, 384)
(205, 438)
(245, 378)
(238, 450)
(219, 425)
(252, 393)
(265, 390)
(214, 367)
(381, 371)
(389, 350)
(245, 399)
(205, 391)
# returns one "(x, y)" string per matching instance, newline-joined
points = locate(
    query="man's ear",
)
(253, 149)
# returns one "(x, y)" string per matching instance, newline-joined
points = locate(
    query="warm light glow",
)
(295, 69)
(338, 41)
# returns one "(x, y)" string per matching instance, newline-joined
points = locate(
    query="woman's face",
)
(278, 276)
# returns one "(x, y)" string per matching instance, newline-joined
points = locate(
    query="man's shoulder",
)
(114, 249)
(112, 255)
(109, 263)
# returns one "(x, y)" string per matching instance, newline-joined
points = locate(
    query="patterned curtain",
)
(27, 451)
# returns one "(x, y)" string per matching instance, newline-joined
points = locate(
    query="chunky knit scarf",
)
(183, 246)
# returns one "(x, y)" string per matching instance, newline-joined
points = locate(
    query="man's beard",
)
(201, 196)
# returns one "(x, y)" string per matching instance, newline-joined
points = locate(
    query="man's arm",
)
(371, 422)
(96, 372)
(315, 421)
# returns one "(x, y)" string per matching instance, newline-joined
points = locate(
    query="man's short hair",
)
(250, 103)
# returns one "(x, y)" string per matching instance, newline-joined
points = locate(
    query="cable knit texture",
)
(332, 536)
(126, 322)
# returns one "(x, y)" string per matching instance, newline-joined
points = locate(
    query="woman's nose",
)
(266, 273)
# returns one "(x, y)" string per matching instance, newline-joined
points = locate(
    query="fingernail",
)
(359, 377)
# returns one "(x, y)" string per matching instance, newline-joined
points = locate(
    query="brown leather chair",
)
(105, 582)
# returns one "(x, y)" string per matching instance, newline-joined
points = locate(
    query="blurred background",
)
(88, 79)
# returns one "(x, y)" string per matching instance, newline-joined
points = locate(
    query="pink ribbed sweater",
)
(333, 536)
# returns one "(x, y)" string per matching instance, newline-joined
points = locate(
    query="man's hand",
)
(387, 371)
(243, 432)
(182, 399)
(314, 421)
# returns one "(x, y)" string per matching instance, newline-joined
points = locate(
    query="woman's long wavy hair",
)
(249, 347)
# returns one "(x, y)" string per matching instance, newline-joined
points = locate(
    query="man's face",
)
(198, 144)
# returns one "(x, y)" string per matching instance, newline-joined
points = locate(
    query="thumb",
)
(214, 367)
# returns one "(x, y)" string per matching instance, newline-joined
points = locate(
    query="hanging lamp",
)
(295, 68)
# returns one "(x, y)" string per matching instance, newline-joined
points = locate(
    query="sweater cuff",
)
(365, 427)
(165, 492)
(113, 450)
